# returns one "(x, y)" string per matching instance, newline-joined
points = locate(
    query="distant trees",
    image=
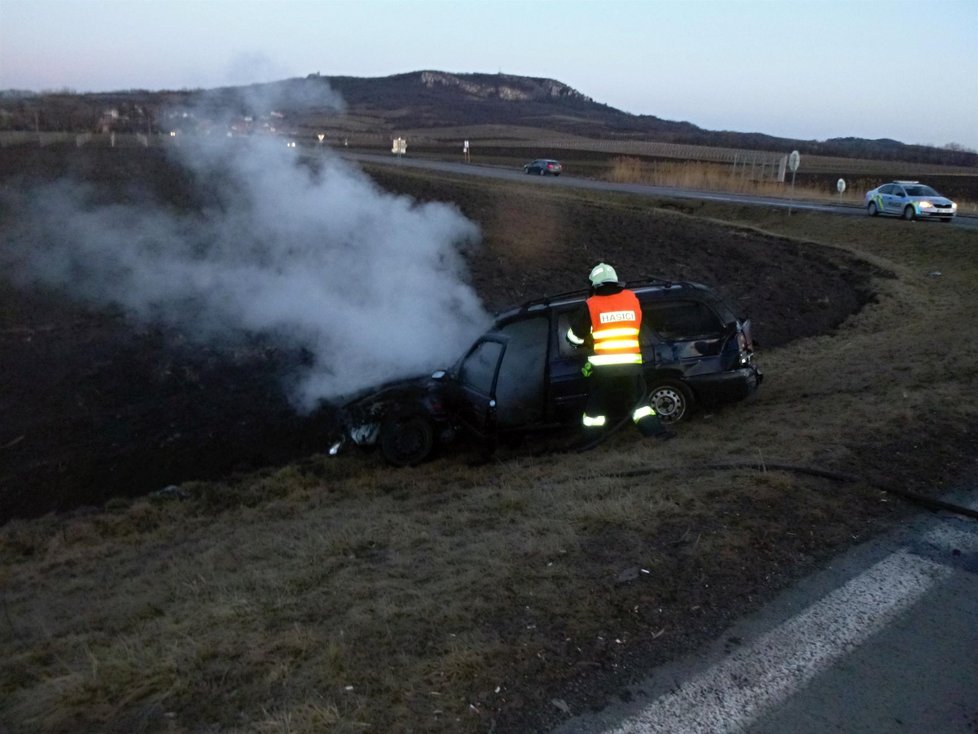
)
(958, 148)
(71, 112)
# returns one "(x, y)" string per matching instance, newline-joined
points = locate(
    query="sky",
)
(806, 69)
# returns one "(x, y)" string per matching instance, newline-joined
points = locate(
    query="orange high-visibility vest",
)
(615, 321)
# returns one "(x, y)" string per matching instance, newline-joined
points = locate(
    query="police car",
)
(910, 200)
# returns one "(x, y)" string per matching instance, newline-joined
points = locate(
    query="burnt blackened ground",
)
(95, 405)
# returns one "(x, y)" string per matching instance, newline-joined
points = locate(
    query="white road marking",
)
(732, 694)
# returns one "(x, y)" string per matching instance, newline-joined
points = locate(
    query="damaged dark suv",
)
(522, 376)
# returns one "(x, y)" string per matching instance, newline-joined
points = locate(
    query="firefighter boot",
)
(651, 427)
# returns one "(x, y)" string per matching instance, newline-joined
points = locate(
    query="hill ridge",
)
(431, 98)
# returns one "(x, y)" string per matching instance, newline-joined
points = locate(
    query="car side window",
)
(682, 320)
(479, 368)
(888, 189)
(520, 386)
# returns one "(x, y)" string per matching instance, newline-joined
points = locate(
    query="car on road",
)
(910, 200)
(543, 167)
(523, 376)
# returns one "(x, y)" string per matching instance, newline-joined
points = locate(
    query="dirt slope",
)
(95, 405)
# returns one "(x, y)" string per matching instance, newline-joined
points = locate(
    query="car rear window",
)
(681, 320)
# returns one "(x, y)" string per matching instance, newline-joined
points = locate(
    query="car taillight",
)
(743, 351)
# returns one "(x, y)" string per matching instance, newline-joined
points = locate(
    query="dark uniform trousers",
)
(615, 392)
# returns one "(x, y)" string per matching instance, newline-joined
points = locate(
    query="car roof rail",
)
(544, 301)
(547, 300)
(907, 182)
(652, 280)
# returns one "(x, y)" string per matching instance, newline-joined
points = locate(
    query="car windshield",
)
(921, 191)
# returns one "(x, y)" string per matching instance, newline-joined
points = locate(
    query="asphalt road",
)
(883, 640)
(662, 192)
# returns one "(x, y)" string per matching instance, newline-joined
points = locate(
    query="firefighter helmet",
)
(602, 273)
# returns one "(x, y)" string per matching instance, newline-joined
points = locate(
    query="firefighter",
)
(608, 326)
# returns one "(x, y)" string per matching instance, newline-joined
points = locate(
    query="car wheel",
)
(872, 210)
(671, 400)
(908, 213)
(408, 440)
(543, 171)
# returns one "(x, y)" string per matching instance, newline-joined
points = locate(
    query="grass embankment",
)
(743, 178)
(753, 181)
(337, 595)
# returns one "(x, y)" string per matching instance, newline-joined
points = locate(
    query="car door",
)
(476, 382)
(521, 387)
(568, 385)
(502, 378)
(897, 200)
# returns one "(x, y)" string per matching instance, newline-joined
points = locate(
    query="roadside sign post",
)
(465, 150)
(399, 147)
(793, 160)
(840, 186)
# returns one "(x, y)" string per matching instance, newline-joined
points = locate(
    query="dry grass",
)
(336, 595)
(703, 176)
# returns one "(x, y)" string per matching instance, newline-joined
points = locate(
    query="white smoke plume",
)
(371, 284)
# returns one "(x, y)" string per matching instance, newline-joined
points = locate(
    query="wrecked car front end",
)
(407, 419)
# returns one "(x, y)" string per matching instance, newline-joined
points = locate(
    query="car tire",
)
(872, 210)
(908, 213)
(672, 400)
(407, 440)
(543, 171)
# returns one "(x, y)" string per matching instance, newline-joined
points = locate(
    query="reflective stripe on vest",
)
(593, 422)
(599, 360)
(615, 323)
